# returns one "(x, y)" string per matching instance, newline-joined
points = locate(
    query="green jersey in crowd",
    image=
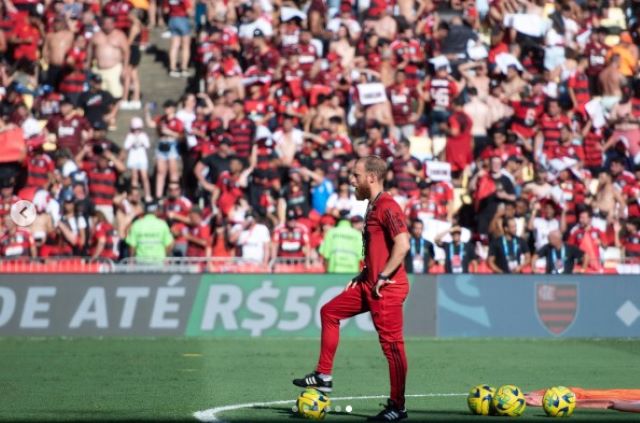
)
(342, 248)
(150, 236)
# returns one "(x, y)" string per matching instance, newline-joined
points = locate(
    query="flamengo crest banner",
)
(556, 306)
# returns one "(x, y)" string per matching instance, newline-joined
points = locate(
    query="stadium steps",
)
(156, 84)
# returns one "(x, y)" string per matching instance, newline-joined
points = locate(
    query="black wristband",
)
(382, 276)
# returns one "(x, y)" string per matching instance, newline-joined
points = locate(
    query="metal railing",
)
(218, 265)
(56, 265)
(226, 265)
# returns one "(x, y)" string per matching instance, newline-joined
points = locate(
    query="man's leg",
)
(347, 304)
(386, 313)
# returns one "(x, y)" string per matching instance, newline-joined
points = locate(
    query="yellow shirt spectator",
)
(628, 55)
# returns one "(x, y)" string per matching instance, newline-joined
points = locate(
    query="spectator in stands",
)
(291, 240)
(56, 45)
(321, 190)
(104, 239)
(16, 242)
(99, 105)
(111, 51)
(508, 253)
(198, 235)
(170, 131)
(421, 255)
(460, 257)
(560, 258)
(175, 210)
(458, 128)
(542, 225)
(211, 166)
(587, 237)
(253, 240)
(103, 177)
(69, 129)
(150, 238)
(72, 227)
(406, 168)
(491, 188)
(129, 206)
(342, 247)
(343, 200)
(136, 144)
(179, 12)
(7, 197)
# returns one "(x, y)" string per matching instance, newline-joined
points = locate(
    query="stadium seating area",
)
(486, 111)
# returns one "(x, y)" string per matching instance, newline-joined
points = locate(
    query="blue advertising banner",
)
(538, 306)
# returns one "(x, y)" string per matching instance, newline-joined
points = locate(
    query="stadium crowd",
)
(511, 129)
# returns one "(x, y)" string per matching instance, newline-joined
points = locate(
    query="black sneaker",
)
(391, 413)
(312, 380)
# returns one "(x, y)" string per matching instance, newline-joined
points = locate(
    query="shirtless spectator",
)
(110, 49)
(480, 115)
(56, 46)
(611, 82)
(386, 26)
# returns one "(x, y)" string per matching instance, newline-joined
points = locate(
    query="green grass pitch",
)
(170, 379)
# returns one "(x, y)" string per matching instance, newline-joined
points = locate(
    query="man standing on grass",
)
(380, 288)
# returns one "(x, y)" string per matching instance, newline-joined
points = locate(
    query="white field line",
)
(211, 415)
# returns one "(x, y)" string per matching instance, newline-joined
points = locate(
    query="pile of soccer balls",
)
(509, 400)
(312, 404)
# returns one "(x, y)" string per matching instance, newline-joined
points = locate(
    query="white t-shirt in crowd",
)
(137, 144)
(543, 228)
(252, 242)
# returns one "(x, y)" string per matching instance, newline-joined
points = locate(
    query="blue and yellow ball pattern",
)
(479, 399)
(559, 401)
(509, 401)
(312, 404)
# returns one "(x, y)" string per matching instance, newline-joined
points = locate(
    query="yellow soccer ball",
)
(559, 401)
(509, 401)
(312, 404)
(479, 399)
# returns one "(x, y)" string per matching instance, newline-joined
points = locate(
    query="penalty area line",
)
(211, 414)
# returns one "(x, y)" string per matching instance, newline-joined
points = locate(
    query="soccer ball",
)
(312, 404)
(559, 402)
(479, 399)
(509, 401)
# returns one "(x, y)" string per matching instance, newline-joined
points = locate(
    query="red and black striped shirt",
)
(550, 127)
(106, 231)
(579, 82)
(39, 167)
(119, 10)
(102, 185)
(242, 132)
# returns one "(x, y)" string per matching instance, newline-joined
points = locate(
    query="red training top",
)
(384, 222)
